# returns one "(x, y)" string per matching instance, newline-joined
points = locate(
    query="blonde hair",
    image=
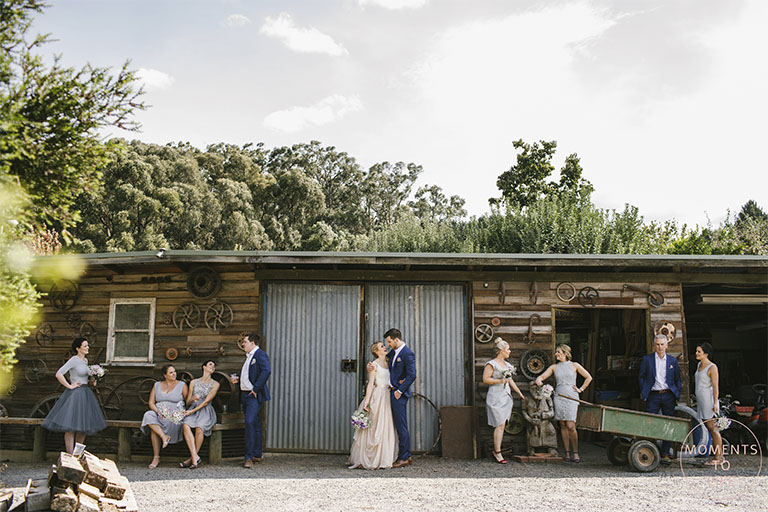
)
(499, 345)
(373, 347)
(565, 349)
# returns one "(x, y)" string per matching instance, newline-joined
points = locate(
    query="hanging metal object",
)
(655, 299)
(533, 363)
(45, 335)
(171, 354)
(589, 297)
(502, 292)
(74, 320)
(533, 294)
(203, 282)
(495, 321)
(64, 295)
(665, 328)
(484, 333)
(531, 336)
(566, 292)
(186, 316)
(36, 370)
(88, 332)
(219, 315)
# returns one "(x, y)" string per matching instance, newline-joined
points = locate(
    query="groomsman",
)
(253, 392)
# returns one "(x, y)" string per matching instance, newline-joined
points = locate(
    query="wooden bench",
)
(123, 437)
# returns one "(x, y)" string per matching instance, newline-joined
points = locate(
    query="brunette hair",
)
(208, 361)
(165, 368)
(393, 333)
(706, 347)
(77, 344)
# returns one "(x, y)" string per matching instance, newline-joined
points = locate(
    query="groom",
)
(402, 373)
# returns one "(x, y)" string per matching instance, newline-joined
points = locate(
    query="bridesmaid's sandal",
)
(499, 458)
(166, 440)
(194, 466)
(185, 464)
(576, 457)
(566, 457)
(153, 464)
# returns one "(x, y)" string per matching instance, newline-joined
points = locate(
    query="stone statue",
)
(538, 411)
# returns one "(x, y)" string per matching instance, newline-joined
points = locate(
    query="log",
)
(88, 504)
(64, 500)
(6, 500)
(37, 495)
(69, 469)
(95, 474)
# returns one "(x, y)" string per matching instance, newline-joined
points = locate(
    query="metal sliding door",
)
(309, 329)
(432, 319)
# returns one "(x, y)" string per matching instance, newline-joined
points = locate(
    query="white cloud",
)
(394, 4)
(299, 39)
(237, 20)
(154, 79)
(325, 111)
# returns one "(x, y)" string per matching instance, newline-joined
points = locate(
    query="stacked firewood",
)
(80, 484)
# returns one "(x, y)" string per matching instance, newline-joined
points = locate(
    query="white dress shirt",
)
(660, 384)
(245, 382)
(397, 353)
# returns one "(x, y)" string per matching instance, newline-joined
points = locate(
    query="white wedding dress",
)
(376, 446)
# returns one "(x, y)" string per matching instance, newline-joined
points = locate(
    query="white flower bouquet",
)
(360, 419)
(175, 416)
(547, 390)
(722, 422)
(507, 374)
(96, 372)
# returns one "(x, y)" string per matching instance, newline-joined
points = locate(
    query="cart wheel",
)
(618, 450)
(644, 456)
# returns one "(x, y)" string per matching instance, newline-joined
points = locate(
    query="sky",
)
(664, 101)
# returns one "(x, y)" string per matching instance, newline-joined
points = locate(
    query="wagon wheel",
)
(515, 424)
(145, 389)
(186, 316)
(43, 406)
(186, 377)
(74, 320)
(64, 295)
(644, 456)
(618, 451)
(203, 282)
(439, 423)
(533, 363)
(655, 299)
(88, 331)
(219, 315)
(566, 292)
(36, 369)
(225, 389)
(589, 297)
(112, 405)
(44, 335)
(484, 333)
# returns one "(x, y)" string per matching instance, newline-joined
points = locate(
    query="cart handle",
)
(575, 399)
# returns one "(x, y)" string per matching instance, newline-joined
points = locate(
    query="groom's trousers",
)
(400, 416)
(251, 408)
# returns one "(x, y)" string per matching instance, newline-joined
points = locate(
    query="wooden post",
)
(38, 449)
(214, 447)
(124, 445)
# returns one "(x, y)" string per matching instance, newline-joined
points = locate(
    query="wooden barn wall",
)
(511, 303)
(98, 286)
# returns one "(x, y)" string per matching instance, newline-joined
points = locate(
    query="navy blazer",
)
(648, 375)
(402, 372)
(258, 373)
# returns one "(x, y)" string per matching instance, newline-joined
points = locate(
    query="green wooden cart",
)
(636, 433)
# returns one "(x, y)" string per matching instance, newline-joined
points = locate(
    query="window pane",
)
(131, 344)
(132, 316)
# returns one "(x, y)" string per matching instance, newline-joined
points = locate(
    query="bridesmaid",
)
(201, 416)
(498, 401)
(566, 410)
(76, 412)
(163, 420)
(707, 398)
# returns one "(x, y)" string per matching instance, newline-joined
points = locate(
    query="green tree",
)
(430, 203)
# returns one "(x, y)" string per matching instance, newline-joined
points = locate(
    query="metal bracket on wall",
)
(531, 336)
(534, 293)
(502, 293)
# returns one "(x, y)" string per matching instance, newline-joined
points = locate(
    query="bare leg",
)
(498, 436)
(573, 435)
(158, 439)
(199, 437)
(565, 436)
(717, 440)
(80, 437)
(189, 438)
(69, 441)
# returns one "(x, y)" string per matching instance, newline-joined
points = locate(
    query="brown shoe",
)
(402, 463)
(248, 463)
(256, 459)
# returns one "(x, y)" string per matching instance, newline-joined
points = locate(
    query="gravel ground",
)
(322, 482)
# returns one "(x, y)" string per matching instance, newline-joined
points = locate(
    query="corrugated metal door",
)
(309, 329)
(432, 319)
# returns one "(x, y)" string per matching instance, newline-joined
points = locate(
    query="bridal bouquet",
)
(175, 416)
(722, 422)
(360, 419)
(96, 372)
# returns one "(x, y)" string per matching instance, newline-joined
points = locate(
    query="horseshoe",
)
(483, 333)
(186, 316)
(566, 292)
(44, 335)
(219, 315)
(534, 293)
(65, 296)
(531, 337)
(589, 297)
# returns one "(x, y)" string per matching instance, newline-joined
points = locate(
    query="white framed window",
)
(131, 330)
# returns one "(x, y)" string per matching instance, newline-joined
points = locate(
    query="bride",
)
(376, 446)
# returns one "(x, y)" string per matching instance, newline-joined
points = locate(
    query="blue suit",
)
(258, 374)
(663, 402)
(402, 373)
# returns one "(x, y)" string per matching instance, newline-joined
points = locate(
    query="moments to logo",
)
(742, 454)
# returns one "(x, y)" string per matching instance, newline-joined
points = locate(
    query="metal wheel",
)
(589, 297)
(219, 315)
(439, 422)
(63, 296)
(45, 335)
(186, 316)
(515, 425)
(566, 292)
(43, 406)
(186, 377)
(145, 389)
(533, 363)
(225, 389)
(644, 456)
(484, 333)
(111, 403)
(35, 371)
(203, 282)
(618, 451)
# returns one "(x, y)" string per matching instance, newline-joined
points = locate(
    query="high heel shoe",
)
(499, 459)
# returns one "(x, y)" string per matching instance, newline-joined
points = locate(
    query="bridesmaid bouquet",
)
(507, 374)
(722, 422)
(95, 372)
(175, 416)
(360, 419)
